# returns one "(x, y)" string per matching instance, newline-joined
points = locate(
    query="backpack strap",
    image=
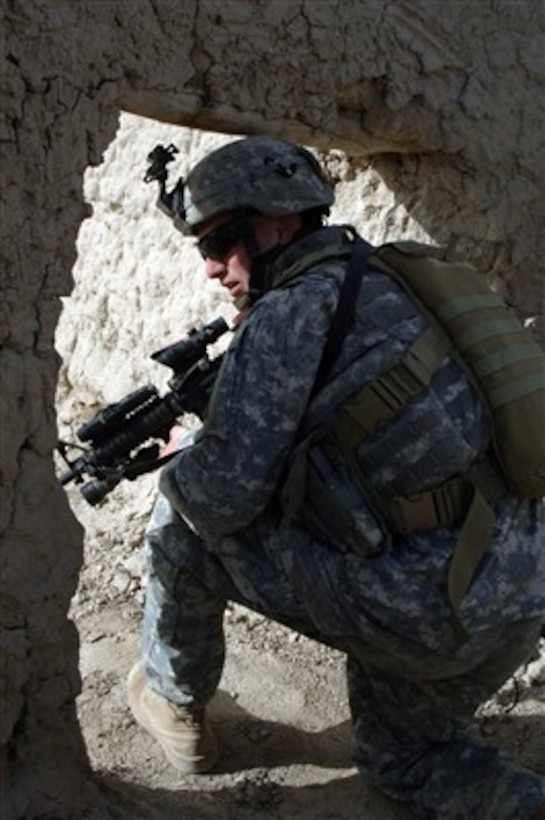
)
(382, 399)
(345, 310)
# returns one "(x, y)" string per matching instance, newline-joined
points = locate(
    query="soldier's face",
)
(225, 258)
(221, 245)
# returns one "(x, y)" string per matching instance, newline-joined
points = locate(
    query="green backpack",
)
(504, 362)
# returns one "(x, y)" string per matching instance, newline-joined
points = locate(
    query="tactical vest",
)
(471, 324)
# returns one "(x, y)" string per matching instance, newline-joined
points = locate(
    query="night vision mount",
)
(170, 202)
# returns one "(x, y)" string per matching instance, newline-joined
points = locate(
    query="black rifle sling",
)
(345, 310)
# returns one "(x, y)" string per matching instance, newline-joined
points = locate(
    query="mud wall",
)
(445, 102)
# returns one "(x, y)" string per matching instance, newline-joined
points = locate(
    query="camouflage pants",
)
(410, 730)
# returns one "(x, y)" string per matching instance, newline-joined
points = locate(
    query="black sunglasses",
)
(218, 244)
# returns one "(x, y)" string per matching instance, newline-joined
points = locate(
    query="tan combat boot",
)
(186, 737)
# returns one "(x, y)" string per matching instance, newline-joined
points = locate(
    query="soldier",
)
(262, 508)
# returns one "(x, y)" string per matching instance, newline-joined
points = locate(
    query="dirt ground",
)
(281, 712)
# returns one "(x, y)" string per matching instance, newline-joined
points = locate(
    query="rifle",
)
(113, 439)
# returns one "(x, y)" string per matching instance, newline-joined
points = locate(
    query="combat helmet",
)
(258, 173)
(254, 174)
(264, 174)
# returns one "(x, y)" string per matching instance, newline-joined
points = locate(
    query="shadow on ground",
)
(266, 769)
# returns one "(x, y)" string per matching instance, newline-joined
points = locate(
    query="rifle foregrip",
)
(152, 420)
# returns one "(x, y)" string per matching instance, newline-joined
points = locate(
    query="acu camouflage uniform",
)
(412, 687)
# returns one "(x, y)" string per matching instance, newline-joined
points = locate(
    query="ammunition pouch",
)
(323, 493)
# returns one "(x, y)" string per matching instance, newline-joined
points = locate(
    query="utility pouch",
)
(324, 494)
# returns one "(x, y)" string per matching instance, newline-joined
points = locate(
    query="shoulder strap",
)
(345, 310)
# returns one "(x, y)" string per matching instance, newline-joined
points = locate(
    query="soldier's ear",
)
(288, 225)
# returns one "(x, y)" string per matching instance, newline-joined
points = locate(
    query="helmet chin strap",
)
(259, 263)
(260, 279)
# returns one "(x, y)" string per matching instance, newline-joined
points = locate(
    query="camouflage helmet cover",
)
(266, 174)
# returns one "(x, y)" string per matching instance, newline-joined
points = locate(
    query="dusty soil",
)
(281, 711)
